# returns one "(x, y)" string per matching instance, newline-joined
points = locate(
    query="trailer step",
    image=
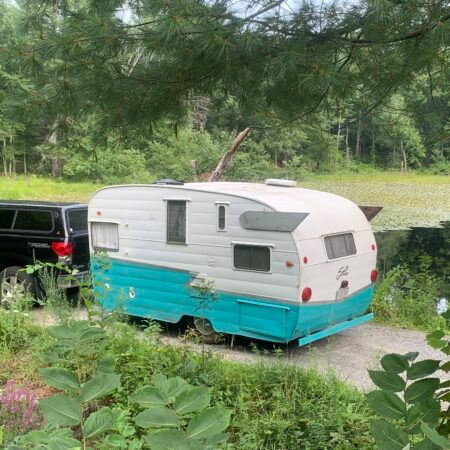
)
(335, 329)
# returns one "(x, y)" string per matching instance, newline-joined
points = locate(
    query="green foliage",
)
(409, 299)
(411, 400)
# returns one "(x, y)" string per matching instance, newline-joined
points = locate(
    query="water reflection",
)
(405, 247)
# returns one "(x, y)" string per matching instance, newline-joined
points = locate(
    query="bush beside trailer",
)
(286, 263)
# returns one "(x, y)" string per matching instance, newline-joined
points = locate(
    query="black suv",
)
(41, 231)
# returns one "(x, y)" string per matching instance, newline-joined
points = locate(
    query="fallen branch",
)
(218, 171)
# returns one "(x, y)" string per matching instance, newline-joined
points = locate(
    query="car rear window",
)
(6, 218)
(78, 220)
(34, 220)
(340, 245)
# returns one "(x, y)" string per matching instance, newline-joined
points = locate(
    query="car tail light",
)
(62, 248)
(373, 275)
(306, 294)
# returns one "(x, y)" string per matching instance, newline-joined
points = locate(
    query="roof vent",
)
(168, 181)
(277, 182)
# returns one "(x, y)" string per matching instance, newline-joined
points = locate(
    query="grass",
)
(408, 199)
(274, 405)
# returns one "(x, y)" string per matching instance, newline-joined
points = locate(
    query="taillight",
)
(306, 294)
(62, 248)
(373, 275)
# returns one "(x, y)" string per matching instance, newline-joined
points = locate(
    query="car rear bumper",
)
(67, 281)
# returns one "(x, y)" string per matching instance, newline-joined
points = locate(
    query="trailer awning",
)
(271, 221)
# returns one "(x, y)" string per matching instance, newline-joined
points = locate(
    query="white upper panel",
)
(328, 213)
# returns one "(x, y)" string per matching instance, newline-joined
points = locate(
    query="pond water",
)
(405, 247)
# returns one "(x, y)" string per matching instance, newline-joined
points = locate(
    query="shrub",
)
(412, 400)
(408, 300)
(19, 412)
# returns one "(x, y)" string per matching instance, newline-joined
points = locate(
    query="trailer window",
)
(6, 218)
(340, 245)
(105, 236)
(221, 221)
(252, 257)
(176, 222)
(30, 220)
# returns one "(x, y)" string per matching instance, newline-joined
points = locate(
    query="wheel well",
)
(10, 262)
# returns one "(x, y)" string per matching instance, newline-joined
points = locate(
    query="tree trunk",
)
(57, 167)
(24, 162)
(358, 140)
(347, 149)
(218, 171)
(405, 162)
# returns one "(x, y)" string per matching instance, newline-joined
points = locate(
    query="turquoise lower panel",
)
(163, 294)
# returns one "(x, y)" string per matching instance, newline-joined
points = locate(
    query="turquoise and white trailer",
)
(286, 263)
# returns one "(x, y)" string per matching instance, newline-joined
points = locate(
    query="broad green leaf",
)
(193, 399)
(106, 364)
(60, 378)
(63, 443)
(157, 417)
(217, 439)
(208, 422)
(426, 444)
(114, 440)
(167, 440)
(99, 422)
(387, 436)
(444, 384)
(99, 386)
(422, 369)
(435, 339)
(421, 390)
(446, 367)
(386, 404)
(61, 410)
(387, 380)
(394, 363)
(434, 436)
(62, 332)
(174, 386)
(149, 397)
(411, 356)
(427, 412)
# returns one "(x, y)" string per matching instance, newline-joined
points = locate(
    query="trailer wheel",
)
(206, 329)
(12, 281)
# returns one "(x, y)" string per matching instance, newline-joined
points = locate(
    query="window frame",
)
(30, 230)
(252, 244)
(351, 233)
(177, 200)
(14, 210)
(91, 235)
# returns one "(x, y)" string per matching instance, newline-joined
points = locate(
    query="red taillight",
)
(62, 248)
(373, 275)
(306, 294)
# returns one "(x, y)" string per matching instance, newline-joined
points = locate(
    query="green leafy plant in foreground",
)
(418, 418)
(177, 415)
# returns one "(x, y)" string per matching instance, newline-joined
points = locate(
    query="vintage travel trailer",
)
(284, 263)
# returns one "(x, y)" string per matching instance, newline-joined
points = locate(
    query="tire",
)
(205, 328)
(13, 278)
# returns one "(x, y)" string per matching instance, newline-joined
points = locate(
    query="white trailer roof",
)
(329, 213)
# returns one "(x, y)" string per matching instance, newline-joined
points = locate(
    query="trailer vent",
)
(169, 182)
(283, 183)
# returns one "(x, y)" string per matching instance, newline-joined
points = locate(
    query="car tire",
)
(13, 278)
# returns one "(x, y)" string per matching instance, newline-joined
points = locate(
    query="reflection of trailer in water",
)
(286, 263)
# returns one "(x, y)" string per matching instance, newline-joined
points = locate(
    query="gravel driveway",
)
(349, 353)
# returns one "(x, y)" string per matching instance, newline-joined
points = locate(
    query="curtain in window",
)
(105, 236)
(176, 221)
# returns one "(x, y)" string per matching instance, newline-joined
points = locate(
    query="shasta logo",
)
(342, 272)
